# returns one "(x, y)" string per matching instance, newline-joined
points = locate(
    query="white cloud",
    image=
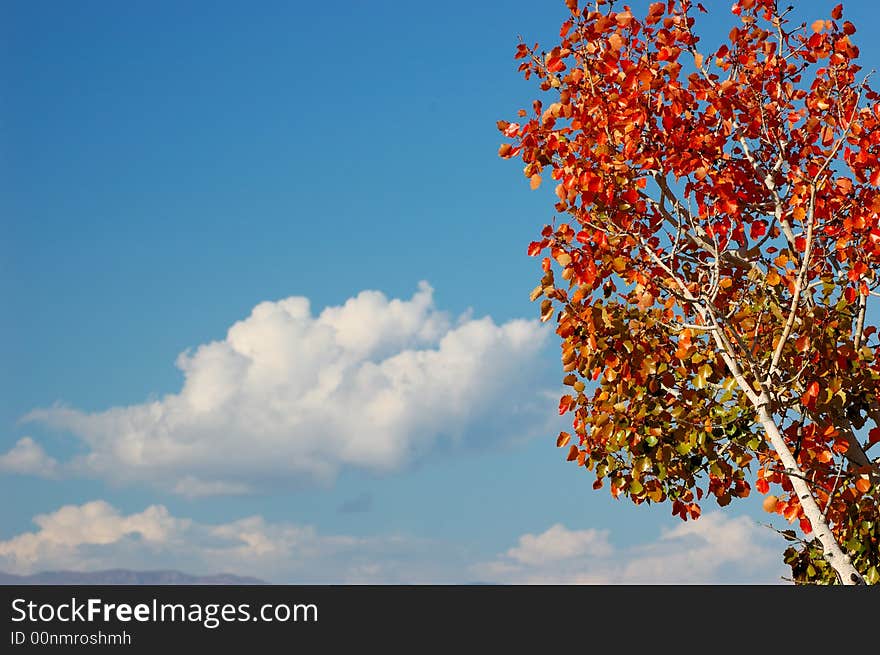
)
(372, 384)
(66, 534)
(96, 536)
(714, 549)
(194, 488)
(28, 457)
(560, 543)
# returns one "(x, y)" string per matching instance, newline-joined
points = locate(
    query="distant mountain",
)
(124, 577)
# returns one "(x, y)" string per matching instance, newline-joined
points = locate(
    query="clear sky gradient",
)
(166, 167)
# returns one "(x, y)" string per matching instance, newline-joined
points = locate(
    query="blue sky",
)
(165, 168)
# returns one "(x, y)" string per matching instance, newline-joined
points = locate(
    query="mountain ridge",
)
(125, 577)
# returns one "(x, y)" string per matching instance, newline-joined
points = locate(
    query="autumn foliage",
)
(713, 263)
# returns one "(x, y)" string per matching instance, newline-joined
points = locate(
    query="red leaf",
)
(837, 12)
(806, 528)
(874, 436)
(572, 453)
(762, 486)
(535, 248)
(808, 400)
(654, 12)
(564, 404)
(555, 65)
(802, 343)
(758, 229)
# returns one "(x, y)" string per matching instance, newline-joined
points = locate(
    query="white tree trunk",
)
(834, 555)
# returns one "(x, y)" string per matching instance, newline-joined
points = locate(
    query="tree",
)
(717, 258)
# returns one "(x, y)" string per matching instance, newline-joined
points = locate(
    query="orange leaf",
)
(555, 65)
(615, 41)
(863, 485)
(572, 453)
(563, 439)
(808, 399)
(802, 343)
(564, 404)
(818, 26)
(535, 181)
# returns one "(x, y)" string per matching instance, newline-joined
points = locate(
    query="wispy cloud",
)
(96, 536)
(714, 549)
(372, 384)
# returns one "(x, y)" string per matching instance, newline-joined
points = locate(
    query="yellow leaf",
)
(773, 278)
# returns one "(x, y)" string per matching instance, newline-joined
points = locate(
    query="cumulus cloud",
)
(96, 536)
(559, 543)
(372, 384)
(71, 537)
(28, 457)
(714, 549)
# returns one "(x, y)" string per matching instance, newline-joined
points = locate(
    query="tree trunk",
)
(833, 553)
